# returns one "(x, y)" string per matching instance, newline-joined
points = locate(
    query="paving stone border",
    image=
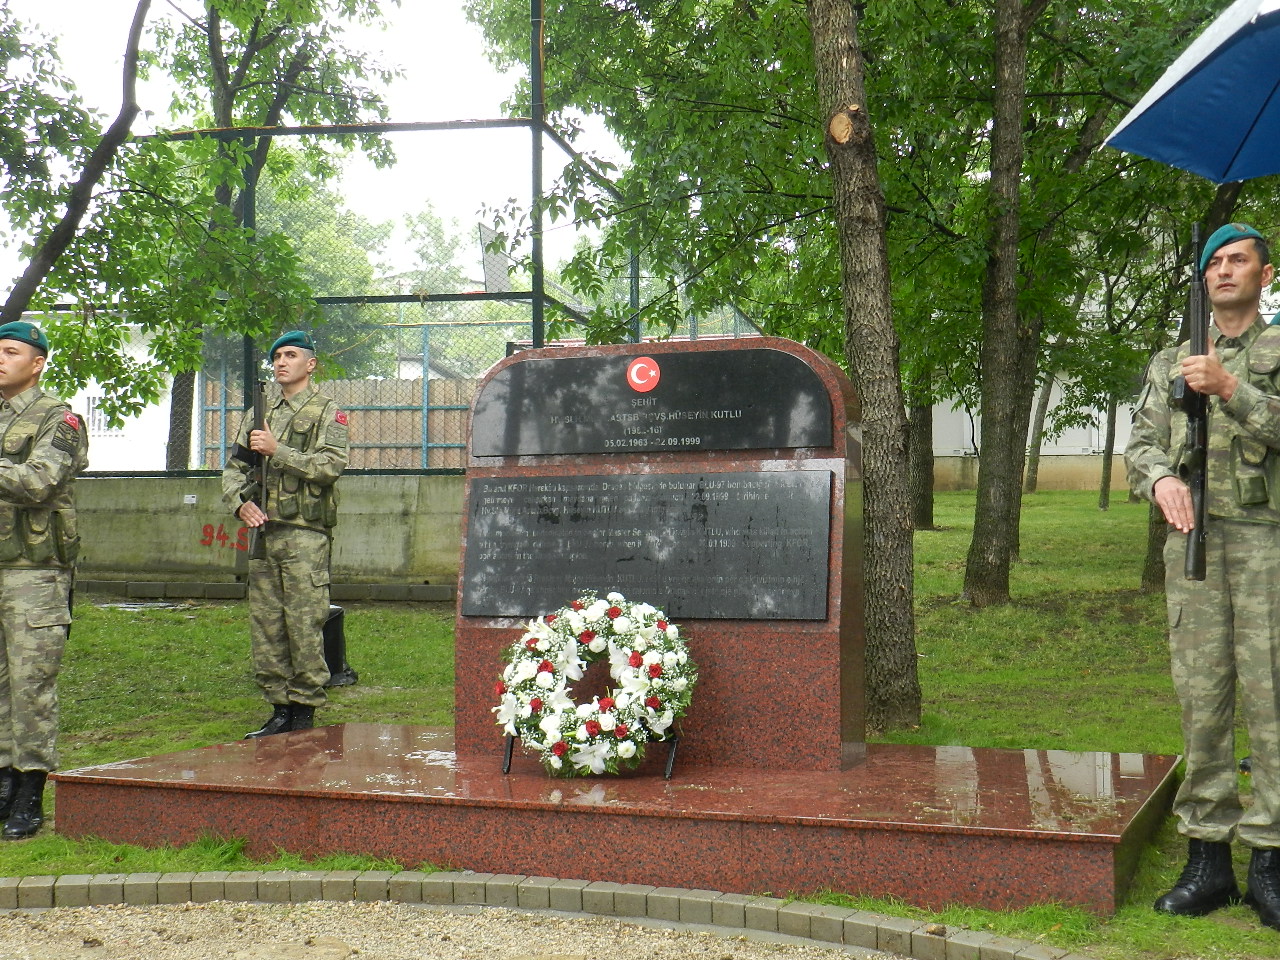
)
(819, 923)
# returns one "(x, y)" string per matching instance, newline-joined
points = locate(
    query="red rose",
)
(586, 636)
(655, 670)
(593, 728)
(635, 659)
(551, 618)
(535, 704)
(531, 643)
(661, 624)
(577, 605)
(559, 748)
(606, 703)
(621, 731)
(499, 688)
(613, 613)
(546, 666)
(653, 703)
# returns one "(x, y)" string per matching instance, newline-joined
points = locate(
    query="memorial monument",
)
(718, 480)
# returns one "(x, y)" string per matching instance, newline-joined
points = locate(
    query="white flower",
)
(635, 683)
(659, 724)
(682, 657)
(598, 644)
(652, 657)
(545, 679)
(525, 670)
(585, 710)
(581, 733)
(559, 701)
(622, 625)
(673, 632)
(641, 643)
(608, 721)
(597, 609)
(506, 711)
(550, 725)
(647, 632)
(681, 683)
(669, 659)
(593, 756)
(557, 763)
(643, 609)
(542, 645)
(576, 623)
(615, 598)
(626, 750)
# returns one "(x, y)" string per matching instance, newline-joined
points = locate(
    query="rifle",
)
(258, 488)
(260, 468)
(1193, 467)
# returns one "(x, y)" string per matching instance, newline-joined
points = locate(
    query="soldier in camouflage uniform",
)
(1225, 629)
(45, 446)
(305, 443)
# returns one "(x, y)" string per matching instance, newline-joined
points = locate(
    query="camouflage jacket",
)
(43, 447)
(301, 475)
(1243, 473)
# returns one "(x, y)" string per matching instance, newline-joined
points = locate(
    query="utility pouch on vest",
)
(38, 543)
(1248, 471)
(10, 541)
(289, 487)
(312, 503)
(66, 539)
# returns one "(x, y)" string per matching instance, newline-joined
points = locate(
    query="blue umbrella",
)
(1216, 110)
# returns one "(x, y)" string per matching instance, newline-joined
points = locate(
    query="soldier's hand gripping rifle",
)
(1194, 459)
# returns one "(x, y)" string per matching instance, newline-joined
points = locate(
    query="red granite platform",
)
(932, 825)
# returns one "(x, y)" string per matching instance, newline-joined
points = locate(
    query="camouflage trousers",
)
(1223, 631)
(34, 616)
(288, 606)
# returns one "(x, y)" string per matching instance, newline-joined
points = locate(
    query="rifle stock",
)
(1193, 468)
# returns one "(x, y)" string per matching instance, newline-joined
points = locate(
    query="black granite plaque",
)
(750, 546)
(701, 400)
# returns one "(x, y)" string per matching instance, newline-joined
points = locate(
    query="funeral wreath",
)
(652, 676)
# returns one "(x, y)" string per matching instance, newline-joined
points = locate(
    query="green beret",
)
(1229, 233)
(27, 333)
(294, 338)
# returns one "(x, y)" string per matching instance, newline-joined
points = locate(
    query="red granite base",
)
(932, 825)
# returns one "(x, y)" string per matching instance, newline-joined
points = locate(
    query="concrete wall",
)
(391, 528)
(1079, 472)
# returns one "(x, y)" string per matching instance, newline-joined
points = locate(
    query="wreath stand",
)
(673, 743)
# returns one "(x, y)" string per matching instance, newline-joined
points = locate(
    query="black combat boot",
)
(1263, 893)
(280, 721)
(1206, 884)
(8, 790)
(303, 717)
(28, 805)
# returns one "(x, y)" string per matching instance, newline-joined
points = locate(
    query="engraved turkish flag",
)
(643, 374)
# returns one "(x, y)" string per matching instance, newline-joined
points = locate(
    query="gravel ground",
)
(368, 931)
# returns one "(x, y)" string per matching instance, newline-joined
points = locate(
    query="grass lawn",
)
(1077, 662)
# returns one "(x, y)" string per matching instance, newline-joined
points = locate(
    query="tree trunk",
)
(871, 346)
(95, 167)
(1108, 444)
(1153, 564)
(1032, 478)
(920, 470)
(1006, 343)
